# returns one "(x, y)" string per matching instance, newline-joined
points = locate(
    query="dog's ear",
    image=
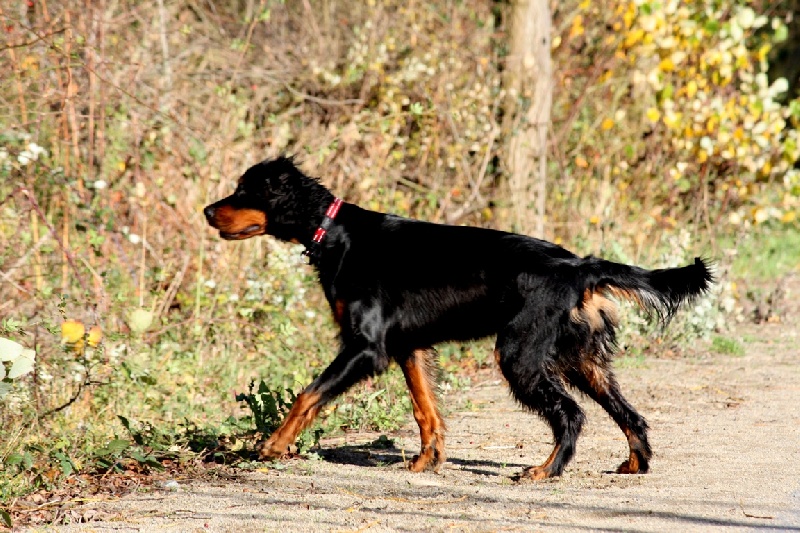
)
(279, 185)
(280, 173)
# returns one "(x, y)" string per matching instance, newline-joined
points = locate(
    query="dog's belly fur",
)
(462, 315)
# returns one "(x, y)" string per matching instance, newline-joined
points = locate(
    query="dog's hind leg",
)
(418, 370)
(598, 382)
(525, 363)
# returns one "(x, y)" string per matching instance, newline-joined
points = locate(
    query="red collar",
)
(326, 223)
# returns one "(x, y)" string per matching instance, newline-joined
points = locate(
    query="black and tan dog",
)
(397, 287)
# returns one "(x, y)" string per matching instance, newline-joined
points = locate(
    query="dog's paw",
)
(421, 463)
(430, 458)
(631, 467)
(637, 463)
(534, 473)
(268, 451)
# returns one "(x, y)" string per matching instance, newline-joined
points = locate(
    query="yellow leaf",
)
(788, 217)
(673, 120)
(95, 335)
(653, 114)
(607, 124)
(763, 51)
(630, 15)
(666, 65)
(72, 331)
(581, 162)
(29, 63)
(711, 125)
(633, 37)
(691, 89)
(577, 27)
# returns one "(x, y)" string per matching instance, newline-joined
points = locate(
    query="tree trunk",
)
(529, 85)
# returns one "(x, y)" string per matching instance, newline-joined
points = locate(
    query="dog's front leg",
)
(355, 361)
(300, 416)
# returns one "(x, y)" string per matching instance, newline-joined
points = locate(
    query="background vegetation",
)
(120, 120)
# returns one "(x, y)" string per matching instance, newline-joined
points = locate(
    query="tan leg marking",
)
(543, 470)
(418, 371)
(302, 413)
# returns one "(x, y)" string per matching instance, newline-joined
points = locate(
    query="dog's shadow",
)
(372, 455)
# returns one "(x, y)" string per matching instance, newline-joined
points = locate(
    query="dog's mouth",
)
(246, 233)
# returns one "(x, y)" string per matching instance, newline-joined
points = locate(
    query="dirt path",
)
(725, 430)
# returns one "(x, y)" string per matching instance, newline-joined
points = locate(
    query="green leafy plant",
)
(269, 408)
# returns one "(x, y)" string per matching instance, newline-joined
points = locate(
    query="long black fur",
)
(397, 285)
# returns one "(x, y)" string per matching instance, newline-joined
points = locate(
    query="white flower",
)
(100, 184)
(779, 86)
(25, 157)
(36, 150)
(135, 239)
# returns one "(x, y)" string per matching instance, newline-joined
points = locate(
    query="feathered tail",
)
(659, 292)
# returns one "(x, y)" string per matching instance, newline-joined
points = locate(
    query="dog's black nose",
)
(209, 212)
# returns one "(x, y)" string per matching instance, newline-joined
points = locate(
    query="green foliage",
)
(269, 409)
(727, 346)
(383, 407)
(768, 254)
(683, 116)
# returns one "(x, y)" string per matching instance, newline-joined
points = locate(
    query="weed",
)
(727, 346)
(269, 408)
(381, 405)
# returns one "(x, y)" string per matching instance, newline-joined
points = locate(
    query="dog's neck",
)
(314, 248)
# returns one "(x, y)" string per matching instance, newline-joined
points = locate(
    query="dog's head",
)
(272, 197)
